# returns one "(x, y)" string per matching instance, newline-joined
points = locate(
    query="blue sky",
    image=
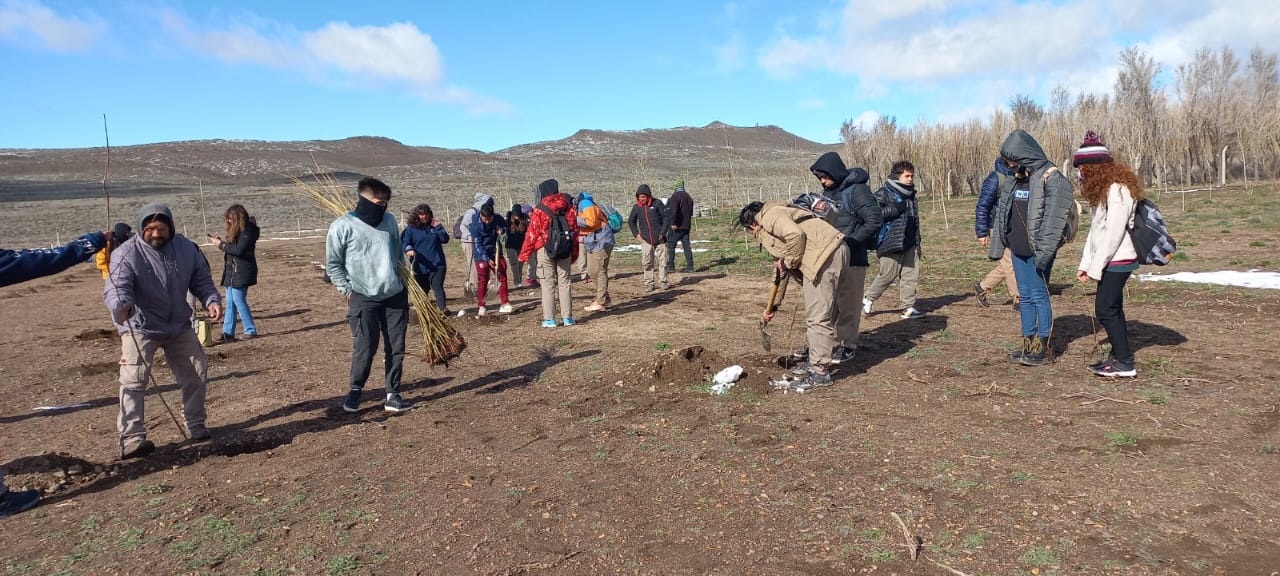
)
(446, 74)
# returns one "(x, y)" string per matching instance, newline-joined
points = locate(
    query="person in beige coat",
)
(804, 243)
(1108, 257)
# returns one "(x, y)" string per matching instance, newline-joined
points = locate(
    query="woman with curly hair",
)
(239, 270)
(424, 239)
(1113, 191)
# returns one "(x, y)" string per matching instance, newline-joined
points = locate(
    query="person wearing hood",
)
(899, 251)
(363, 254)
(146, 294)
(119, 234)
(858, 218)
(598, 241)
(649, 225)
(424, 239)
(680, 222)
(1031, 219)
(987, 197)
(468, 246)
(22, 265)
(552, 214)
(486, 234)
(239, 269)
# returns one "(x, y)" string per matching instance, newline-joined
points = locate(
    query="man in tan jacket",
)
(806, 244)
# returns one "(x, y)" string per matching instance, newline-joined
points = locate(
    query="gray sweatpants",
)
(190, 369)
(901, 267)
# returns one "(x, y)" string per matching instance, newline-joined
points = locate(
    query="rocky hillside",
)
(27, 174)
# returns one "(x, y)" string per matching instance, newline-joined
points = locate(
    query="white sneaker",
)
(911, 313)
(505, 309)
(481, 311)
(866, 306)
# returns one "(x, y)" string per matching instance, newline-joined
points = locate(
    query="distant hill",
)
(25, 173)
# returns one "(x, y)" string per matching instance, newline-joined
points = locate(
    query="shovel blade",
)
(766, 339)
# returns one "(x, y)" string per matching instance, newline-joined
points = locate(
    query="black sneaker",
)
(352, 403)
(841, 355)
(981, 294)
(1114, 369)
(1098, 365)
(14, 502)
(815, 379)
(801, 354)
(396, 404)
(137, 449)
(687, 269)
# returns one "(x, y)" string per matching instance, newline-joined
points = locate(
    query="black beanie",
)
(643, 189)
(548, 187)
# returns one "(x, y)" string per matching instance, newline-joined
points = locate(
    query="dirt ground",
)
(597, 449)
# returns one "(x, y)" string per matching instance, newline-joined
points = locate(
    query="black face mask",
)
(369, 213)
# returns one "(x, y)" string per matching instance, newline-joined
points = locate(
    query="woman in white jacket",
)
(1113, 190)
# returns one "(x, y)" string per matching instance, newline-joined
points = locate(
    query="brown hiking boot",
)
(136, 448)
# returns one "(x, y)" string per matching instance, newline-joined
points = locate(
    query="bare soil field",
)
(597, 449)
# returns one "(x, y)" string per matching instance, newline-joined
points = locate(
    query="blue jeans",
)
(1033, 286)
(236, 303)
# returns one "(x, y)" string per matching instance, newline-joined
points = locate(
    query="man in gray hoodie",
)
(145, 292)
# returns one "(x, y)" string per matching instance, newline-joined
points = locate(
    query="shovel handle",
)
(773, 292)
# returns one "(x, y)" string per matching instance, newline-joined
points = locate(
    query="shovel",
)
(766, 339)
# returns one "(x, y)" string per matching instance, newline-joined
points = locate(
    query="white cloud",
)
(1052, 40)
(731, 55)
(398, 54)
(53, 31)
(866, 119)
(812, 104)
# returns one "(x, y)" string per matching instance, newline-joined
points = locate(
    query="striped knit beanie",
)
(1091, 151)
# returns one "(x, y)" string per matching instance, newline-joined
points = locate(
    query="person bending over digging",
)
(146, 293)
(804, 243)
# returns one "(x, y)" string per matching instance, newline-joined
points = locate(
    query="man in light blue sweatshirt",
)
(362, 256)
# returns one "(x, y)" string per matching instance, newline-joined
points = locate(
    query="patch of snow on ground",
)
(1248, 279)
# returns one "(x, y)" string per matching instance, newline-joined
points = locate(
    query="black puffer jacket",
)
(239, 264)
(859, 217)
(899, 209)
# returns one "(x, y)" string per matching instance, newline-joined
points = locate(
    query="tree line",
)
(1172, 135)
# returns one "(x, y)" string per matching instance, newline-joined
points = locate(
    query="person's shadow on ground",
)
(242, 438)
(1068, 329)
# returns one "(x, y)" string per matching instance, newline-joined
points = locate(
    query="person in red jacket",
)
(553, 273)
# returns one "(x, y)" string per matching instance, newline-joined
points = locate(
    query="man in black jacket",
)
(899, 250)
(649, 226)
(858, 218)
(680, 219)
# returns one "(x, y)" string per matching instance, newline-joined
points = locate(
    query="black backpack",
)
(559, 236)
(1150, 235)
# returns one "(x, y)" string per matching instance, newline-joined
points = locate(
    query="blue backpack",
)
(615, 219)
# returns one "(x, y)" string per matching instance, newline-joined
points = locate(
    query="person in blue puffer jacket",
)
(987, 198)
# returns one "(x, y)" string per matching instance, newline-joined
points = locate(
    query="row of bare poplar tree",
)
(1173, 136)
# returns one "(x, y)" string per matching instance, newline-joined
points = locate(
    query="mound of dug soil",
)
(686, 365)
